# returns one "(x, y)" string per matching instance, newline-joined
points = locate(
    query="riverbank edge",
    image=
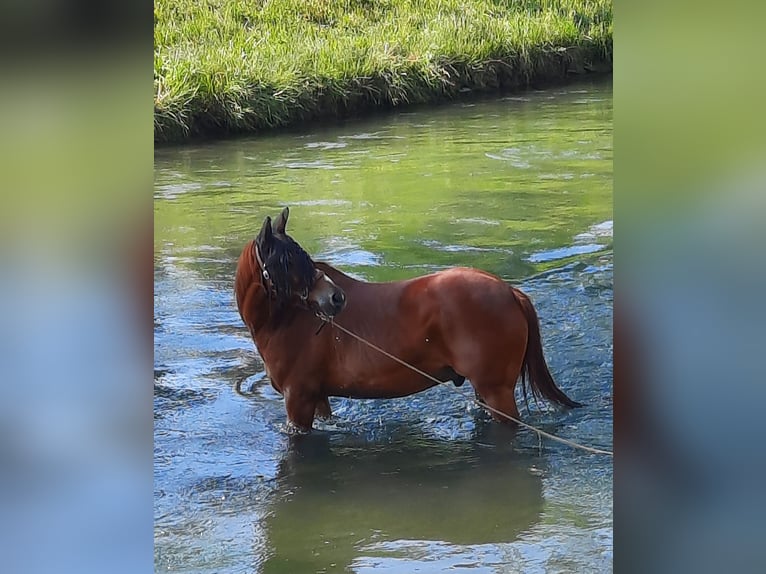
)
(321, 101)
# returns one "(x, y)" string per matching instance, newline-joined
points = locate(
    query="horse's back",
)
(470, 288)
(458, 289)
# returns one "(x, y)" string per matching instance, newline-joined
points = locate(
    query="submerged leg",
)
(322, 409)
(501, 399)
(300, 409)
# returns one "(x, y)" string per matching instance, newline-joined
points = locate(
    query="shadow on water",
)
(337, 499)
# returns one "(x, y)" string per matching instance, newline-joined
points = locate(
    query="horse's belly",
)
(400, 383)
(381, 391)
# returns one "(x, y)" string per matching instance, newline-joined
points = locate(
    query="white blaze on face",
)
(330, 281)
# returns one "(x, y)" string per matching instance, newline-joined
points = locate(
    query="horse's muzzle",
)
(338, 300)
(329, 307)
(327, 299)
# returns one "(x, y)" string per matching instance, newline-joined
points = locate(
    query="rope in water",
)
(478, 402)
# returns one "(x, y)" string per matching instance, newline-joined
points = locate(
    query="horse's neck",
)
(264, 318)
(252, 298)
(256, 313)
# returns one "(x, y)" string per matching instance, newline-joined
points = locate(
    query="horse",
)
(456, 324)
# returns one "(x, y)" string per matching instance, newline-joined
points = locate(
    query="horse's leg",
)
(322, 409)
(493, 365)
(501, 398)
(300, 409)
(496, 387)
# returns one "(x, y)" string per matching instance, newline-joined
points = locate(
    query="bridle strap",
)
(264, 272)
(258, 257)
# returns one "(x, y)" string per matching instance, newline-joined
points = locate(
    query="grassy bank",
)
(232, 66)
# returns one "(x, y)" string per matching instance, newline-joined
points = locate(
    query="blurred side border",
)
(689, 204)
(76, 290)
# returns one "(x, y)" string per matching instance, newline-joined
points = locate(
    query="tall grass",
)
(229, 66)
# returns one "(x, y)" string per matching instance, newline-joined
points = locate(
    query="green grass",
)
(234, 66)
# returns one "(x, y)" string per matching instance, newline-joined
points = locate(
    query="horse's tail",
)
(534, 370)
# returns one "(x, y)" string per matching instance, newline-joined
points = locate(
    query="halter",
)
(265, 279)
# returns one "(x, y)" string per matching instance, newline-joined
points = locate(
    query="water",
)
(520, 186)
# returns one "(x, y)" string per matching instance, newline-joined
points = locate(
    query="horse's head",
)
(289, 274)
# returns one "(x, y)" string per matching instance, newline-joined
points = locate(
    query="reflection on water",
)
(427, 482)
(341, 501)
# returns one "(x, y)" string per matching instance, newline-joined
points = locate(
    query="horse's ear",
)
(265, 236)
(281, 222)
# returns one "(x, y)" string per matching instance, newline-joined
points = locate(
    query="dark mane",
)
(288, 264)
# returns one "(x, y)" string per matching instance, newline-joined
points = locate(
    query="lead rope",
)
(476, 401)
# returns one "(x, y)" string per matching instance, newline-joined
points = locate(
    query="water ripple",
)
(564, 252)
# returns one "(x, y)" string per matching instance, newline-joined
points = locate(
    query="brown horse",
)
(456, 324)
